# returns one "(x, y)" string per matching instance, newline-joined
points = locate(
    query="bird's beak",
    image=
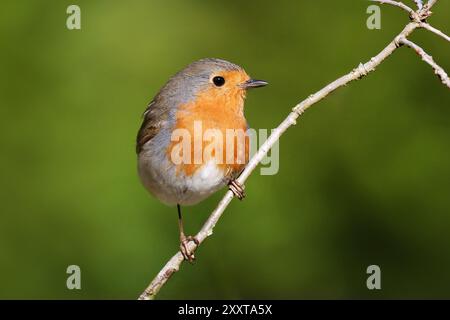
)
(251, 83)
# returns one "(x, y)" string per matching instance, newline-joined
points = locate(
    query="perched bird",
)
(208, 93)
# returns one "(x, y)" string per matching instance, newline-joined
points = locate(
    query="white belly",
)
(163, 181)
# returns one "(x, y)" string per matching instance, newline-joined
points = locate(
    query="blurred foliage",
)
(364, 176)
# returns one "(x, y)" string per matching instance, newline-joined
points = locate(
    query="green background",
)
(364, 176)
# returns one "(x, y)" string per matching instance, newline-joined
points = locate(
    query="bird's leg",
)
(184, 240)
(237, 189)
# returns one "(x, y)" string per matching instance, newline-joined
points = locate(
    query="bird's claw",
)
(188, 255)
(237, 189)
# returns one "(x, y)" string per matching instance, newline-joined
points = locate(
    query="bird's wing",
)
(154, 118)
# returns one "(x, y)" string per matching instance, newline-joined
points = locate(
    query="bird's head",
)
(214, 79)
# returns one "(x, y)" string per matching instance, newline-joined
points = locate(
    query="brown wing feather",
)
(154, 119)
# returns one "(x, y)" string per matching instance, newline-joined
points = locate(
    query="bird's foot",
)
(188, 254)
(237, 189)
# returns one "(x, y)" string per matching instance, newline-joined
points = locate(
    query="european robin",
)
(209, 92)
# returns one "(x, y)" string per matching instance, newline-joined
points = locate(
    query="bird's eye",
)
(218, 81)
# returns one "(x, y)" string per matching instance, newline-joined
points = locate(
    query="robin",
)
(209, 92)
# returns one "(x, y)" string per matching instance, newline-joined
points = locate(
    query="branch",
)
(397, 4)
(419, 4)
(427, 58)
(434, 30)
(362, 70)
(430, 4)
(418, 16)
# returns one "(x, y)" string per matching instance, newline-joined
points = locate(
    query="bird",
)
(208, 93)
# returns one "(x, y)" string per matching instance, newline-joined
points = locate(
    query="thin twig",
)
(419, 4)
(397, 4)
(430, 28)
(426, 58)
(431, 3)
(362, 70)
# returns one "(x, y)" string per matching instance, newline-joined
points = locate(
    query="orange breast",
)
(216, 129)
